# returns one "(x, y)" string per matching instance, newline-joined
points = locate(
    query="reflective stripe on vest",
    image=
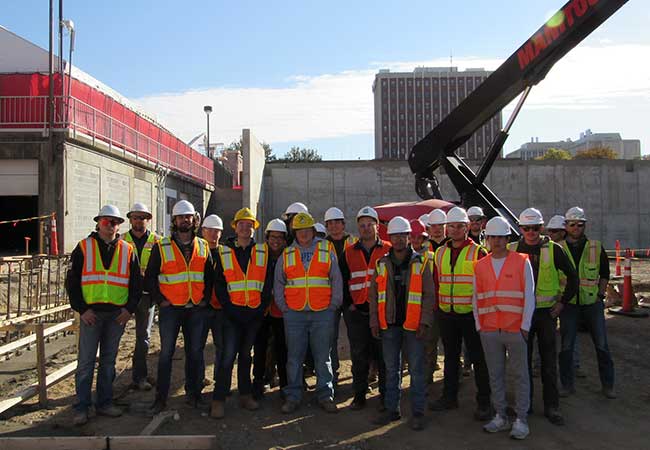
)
(413, 298)
(455, 288)
(152, 240)
(100, 285)
(588, 271)
(547, 288)
(245, 290)
(311, 287)
(361, 272)
(179, 281)
(500, 301)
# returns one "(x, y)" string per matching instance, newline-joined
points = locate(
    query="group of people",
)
(452, 276)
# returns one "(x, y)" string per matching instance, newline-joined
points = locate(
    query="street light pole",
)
(208, 110)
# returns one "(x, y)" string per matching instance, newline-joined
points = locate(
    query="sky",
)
(300, 73)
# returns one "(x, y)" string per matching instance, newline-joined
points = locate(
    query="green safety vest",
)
(455, 287)
(547, 288)
(588, 271)
(146, 250)
(99, 285)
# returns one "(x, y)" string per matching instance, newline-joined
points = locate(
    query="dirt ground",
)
(593, 422)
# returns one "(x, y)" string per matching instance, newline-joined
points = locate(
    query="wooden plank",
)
(40, 366)
(55, 443)
(198, 442)
(157, 421)
(18, 343)
(32, 390)
(28, 317)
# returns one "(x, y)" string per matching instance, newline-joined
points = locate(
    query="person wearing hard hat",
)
(211, 230)
(321, 231)
(503, 302)
(308, 289)
(179, 277)
(590, 260)
(548, 261)
(289, 214)
(243, 288)
(401, 297)
(357, 266)
(143, 241)
(477, 222)
(556, 228)
(275, 236)
(104, 308)
(454, 271)
(436, 227)
(336, 234)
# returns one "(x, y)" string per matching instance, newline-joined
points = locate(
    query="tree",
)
(555, 153)
(268, 153)
(597, 153)
(236, 145)
(297, 154)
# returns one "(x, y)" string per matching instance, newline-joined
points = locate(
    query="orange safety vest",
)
(179, 281)
(245, 289)
(413, 297)
(311, 287)
(500, 301)
(101, 285)
(361, 272)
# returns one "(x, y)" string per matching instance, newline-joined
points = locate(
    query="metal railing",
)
(21, 113)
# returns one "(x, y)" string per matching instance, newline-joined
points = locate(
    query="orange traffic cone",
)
(628, 308)
(54, 238)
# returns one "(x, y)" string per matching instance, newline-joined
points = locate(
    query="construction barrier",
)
(629, 300)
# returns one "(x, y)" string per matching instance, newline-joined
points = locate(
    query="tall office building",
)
(408, 105)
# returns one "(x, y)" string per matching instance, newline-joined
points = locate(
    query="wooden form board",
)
(28, 317)
(200, 442)
(27, 340)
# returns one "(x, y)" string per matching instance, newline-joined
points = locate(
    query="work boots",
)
(217, 409)
(248, 402)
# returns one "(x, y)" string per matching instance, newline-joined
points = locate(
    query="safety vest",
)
(547, 287)
(152, 240)
(588, 271)
(311, 287)
(101, 285)
(179, 281)
(413, 297)
(500, 301)
(361, 272)
(455, 287)
(245, 289)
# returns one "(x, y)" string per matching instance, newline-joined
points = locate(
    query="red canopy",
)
(408, 210)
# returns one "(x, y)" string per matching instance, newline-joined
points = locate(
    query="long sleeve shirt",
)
(242, 314)
(306, 254)
(152, 285)
(106, 250)
(529, 293)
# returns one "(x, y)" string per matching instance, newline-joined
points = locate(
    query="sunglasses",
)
(531, 228)
(107, 222)
(139, 217)
(575, 224)
(556, 230)
(475, 220)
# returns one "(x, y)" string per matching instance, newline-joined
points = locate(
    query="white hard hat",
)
(557, 222)
(437, 217)
(457, 214)
(213, 221)
(334, 213)
(139, 208)
(320, 228)
(531, 216)
(296, 208)
(398, 225)
(424, 218)
(276, 225)
(109, 211)
(575, 213)
(475, 211)
(368, 211)
(183, 208)
(497, 226)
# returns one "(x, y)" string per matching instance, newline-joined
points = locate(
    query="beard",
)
(185, 227)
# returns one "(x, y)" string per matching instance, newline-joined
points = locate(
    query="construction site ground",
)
(592, 421)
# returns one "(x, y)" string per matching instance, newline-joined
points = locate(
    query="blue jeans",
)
(593, 317)
(311, 329)
(106, 333)
(335, 345)
(391, 341)
(214, 324)
(238, 340)
(193, 322)
(143, 323)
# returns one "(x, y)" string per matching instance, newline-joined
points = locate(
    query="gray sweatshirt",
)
(306, 254)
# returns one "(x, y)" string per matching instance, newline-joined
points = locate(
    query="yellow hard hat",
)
(245, 214)
(302, 220)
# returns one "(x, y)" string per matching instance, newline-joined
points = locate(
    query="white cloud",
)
(341, 104)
